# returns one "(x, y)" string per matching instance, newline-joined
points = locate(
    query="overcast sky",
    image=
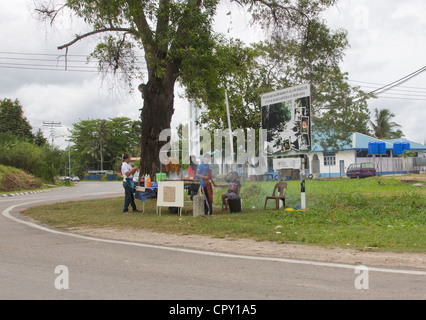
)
(387, 37)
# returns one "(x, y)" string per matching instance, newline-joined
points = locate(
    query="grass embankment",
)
(12, 179)
(370, 214)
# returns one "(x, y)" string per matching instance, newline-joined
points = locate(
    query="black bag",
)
(234, 204)
(173, 209)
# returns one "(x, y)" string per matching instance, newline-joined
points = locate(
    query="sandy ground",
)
(263, 248)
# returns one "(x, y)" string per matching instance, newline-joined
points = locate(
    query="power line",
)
(399, 81)
(388, 87)
(57, 62)
(48, 54)
(382, 84)
(401, 98)
(397, 90)
(55, 69)
(46, 62)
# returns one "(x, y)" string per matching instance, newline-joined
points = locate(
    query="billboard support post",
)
(302, 185)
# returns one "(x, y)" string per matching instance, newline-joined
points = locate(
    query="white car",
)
(75, 179)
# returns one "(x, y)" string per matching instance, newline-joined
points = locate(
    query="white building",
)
(334, 164)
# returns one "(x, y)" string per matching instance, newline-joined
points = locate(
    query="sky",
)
(387, 40)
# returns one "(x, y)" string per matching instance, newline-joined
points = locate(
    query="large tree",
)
(175, 36)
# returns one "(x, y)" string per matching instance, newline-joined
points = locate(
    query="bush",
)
(39, 161)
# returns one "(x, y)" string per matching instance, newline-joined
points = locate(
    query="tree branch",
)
(49, 13)
(145, 32)
(80, 37)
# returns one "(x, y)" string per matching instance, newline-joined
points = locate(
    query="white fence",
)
(392, 165)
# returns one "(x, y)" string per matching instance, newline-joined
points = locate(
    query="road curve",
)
(38, 262)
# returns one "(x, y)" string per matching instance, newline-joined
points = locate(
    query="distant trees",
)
(21, 148)
(98, 143)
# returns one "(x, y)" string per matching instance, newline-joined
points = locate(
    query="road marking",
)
(7, 214)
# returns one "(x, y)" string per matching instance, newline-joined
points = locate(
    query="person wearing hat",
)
(128, 171)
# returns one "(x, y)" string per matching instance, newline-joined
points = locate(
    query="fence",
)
(98, 177)
(386, 165)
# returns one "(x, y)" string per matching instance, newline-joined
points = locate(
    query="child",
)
(233, 189)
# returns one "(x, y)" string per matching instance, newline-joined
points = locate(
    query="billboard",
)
(286, 116)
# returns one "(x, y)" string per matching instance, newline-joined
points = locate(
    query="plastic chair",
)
(282, 187)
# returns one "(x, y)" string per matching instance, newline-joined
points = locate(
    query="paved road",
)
(99, 269)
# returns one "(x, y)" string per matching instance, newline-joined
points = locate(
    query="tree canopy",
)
(12, 120)
(178, 43)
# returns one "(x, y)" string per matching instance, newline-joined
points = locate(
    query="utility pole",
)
(52, 125)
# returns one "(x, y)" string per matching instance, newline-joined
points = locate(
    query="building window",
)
(329, 158)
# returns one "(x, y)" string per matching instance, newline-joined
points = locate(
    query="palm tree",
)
(383, 127)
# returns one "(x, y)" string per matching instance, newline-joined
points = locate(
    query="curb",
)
(29, 192)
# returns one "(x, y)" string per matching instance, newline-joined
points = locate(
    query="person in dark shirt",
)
(207, 183)
(234, 188)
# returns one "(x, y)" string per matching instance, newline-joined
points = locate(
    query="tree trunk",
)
(156, 116)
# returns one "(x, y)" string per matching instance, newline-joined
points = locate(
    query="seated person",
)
(233, 188)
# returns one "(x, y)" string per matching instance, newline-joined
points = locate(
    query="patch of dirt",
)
(262, 248)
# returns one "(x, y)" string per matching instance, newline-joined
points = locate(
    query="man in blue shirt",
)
(203, 173)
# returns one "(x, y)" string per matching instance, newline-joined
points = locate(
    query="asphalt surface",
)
(38, 262)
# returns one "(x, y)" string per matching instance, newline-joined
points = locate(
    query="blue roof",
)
(413, 145)
(360, 141)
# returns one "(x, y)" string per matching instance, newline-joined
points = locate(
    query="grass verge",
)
(379, 213)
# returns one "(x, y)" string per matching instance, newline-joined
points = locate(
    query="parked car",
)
(75, 179)
(361, 170)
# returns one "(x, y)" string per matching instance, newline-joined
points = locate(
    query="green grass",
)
(361, 214)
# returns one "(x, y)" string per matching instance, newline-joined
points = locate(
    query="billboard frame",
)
(286, 115)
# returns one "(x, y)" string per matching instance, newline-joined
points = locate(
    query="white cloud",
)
(390, 45)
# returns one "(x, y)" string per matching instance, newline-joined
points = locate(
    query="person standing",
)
(128, 171)
(204, 172)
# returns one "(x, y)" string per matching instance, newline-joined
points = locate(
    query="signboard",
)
(170, 194)
(286, 115)
(287, 163)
